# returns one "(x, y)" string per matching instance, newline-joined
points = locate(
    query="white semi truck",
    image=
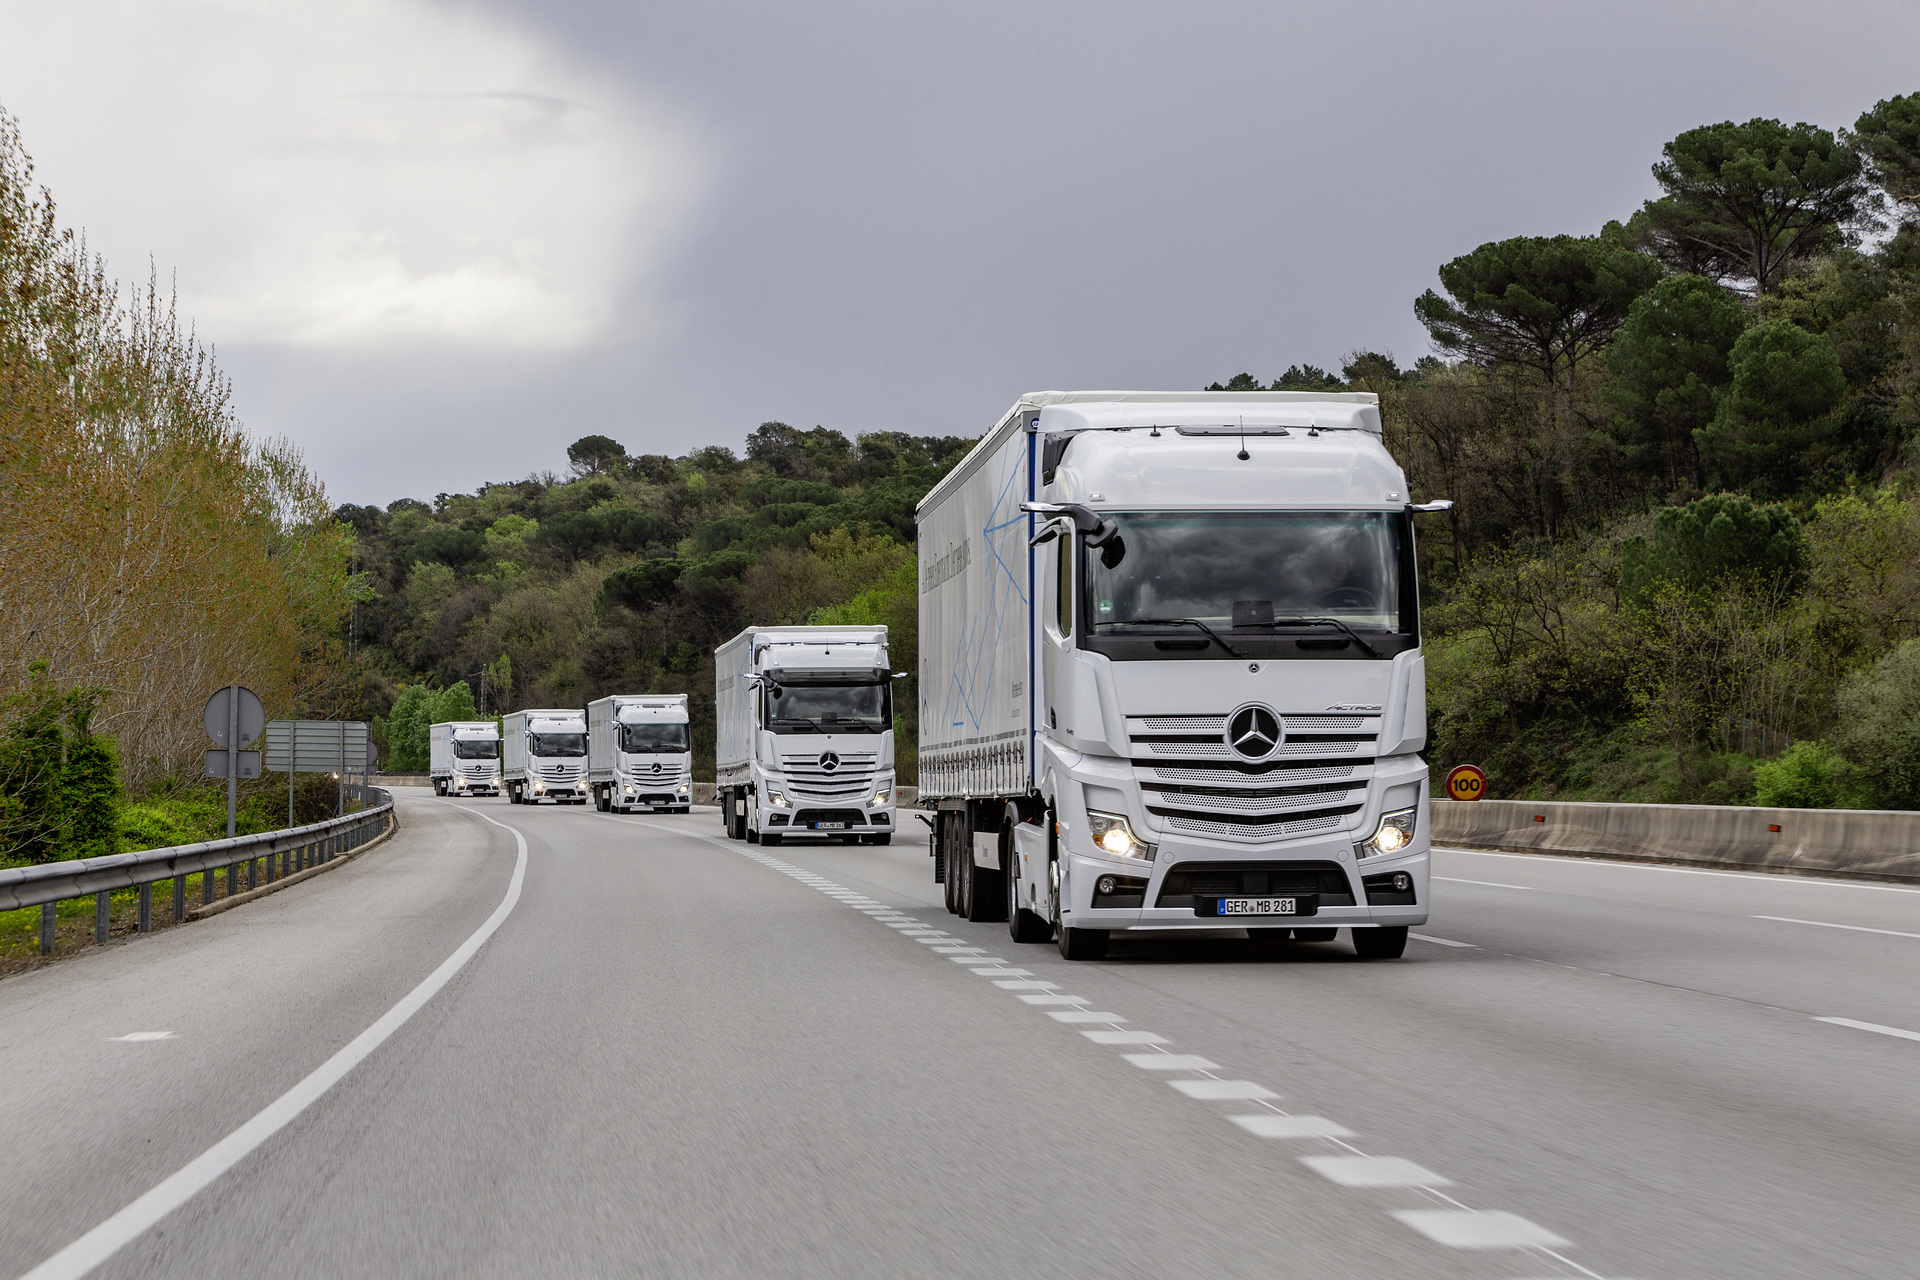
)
(804, 743)
(546, 756)
(463, 757)
(1170, 671)
(639, 754)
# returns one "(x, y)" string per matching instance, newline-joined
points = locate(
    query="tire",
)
(603, 799)
(1382, 942)
(1315, 935)
(986, 891)
(513, 794)
(950, 864)
(1082, 944)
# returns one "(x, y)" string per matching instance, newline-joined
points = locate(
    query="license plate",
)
(1259, 906)
(829, 826)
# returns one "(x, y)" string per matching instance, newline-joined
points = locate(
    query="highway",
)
(678, 1055)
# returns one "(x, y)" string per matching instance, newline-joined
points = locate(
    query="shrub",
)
(1810, 776)
(1880, 726)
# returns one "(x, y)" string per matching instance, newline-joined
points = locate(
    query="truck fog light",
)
(1394, 834)
(1105, 885)
(1402, 882)
(1113, 836)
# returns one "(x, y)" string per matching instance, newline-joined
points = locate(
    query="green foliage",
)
(59, 780)
(1879, 726)
(1539, 301)
(407, 730)
(1709, 544)
(90, 796)
(1753, 200)
(1670, 367)
(592, 455)
(455, 702)
(1775, 426)
(1809, 776)
(1888, 137)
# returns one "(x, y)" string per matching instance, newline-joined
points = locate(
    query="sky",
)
(435, 243)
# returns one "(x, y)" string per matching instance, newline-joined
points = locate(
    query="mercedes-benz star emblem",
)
(656, 766)
(829, 761)
(1254, 732)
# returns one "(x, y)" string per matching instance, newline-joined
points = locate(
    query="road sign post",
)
(234, 718)
(1466, 782)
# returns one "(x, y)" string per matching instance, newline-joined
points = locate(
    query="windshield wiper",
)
(1370, 651)
(1177, 622)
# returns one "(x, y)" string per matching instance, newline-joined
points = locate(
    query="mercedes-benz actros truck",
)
(1170, 672)
(546, 756)
(804, 741)
(464, 758)
(639, 753)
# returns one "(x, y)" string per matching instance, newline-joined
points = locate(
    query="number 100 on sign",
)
(1466, 782)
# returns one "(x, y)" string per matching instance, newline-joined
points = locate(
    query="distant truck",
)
(639, 753)
(546, 756)
(464, 758)
(804, 746)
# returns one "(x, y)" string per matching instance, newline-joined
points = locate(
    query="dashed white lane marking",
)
(1872, 1026)
(136, 1037)
(1279, 1126)
(1445, 942)
(1170, 1062)
(1224, 1090)
(1487, 884)
(1456, 1226)
(1374, 1171)
(1479, 1229)
(132, 1222)
(1851, 928)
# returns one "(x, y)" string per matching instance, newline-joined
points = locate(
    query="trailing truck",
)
(1170, 672)
(639, 753)
(804, 739)
(463, 757)
(546, 756)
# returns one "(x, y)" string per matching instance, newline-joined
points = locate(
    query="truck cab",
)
(464, 757)
(546, 756)
(805, 742)
(640, 754)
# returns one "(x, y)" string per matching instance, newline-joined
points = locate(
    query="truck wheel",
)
(1316, 935)
(1382, 942)
(986, 892)
(1082, 944)
(602, 799)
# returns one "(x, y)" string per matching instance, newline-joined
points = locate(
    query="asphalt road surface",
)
(678, 1055)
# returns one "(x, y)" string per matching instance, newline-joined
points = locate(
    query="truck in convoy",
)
(1170, 672)
(804, 741)
(546, 756)
(463, 757)
(639, 754)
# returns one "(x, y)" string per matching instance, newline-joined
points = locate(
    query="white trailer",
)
(546, 756)
(1170, 671)
(463, 757)
(639, 753)
(804, 742)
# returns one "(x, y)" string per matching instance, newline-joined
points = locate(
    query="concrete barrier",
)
(1874, 844)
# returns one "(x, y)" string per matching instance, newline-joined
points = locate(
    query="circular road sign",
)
(1466, 782)
(252, 717)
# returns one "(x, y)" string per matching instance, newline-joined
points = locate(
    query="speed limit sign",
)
(1466, 782)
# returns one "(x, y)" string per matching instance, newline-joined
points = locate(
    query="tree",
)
(594, 455)
(1541, 302)
(407, 730)
(1888, 138)
(1722, 540)
(1670, 367)
(1880, 726)
(1775, 427)
(1305, 377)
(1238, 382)
(455, 702)
(819, 454)
(1753, 200)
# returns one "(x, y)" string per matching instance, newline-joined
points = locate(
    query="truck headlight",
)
(1113, 836)
(1393, 835)
(880, 798)
(629, 790)
(539, 787)
(778, 799)
(683, 788)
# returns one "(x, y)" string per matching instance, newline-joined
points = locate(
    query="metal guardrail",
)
(268, 856)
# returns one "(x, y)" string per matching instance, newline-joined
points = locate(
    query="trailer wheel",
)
(986, 891)
(602, 799)
(1382, 942)
(949, 840)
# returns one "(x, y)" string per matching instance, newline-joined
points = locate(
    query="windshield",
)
(829, 708)
(653, 737)
(557, 744)
(476, 748)
(1246, 571)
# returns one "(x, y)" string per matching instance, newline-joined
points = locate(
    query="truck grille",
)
(1254, 879)
(1315, 781)
(851, 777)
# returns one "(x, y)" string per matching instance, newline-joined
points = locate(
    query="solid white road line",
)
(1374, 1171)
(1445, 942)
(1764, 876)
(101, 1243)
(1852, 928)
(1488, 884)
(1872, 1026)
